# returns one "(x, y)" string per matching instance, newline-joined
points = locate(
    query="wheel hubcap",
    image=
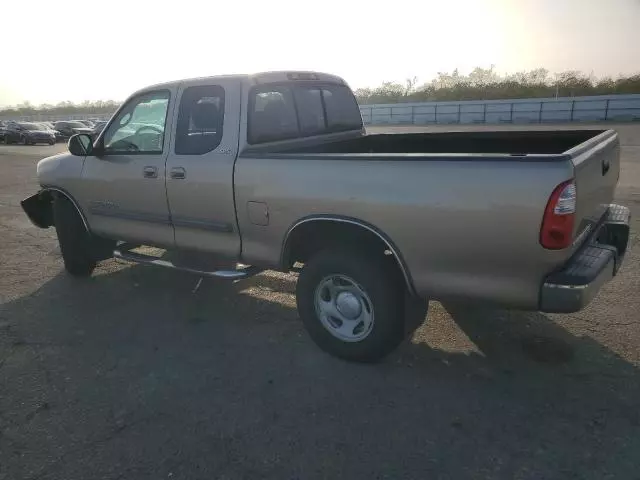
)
(344, 308)
(348, 305)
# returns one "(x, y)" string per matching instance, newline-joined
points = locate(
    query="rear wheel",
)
(74, 239)
(351, 304)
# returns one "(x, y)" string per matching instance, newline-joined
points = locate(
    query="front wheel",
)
(351, 304)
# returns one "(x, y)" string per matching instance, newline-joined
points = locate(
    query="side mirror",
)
(80, 145)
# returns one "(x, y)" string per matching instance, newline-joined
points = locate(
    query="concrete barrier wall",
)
(529, 110)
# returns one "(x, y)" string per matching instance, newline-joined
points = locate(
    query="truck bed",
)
(464, 208)
(498, 142)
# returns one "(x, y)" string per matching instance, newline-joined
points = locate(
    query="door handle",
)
(150, 172)
(178, 173)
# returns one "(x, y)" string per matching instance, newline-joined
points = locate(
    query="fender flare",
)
(359, 223)
(64, 193)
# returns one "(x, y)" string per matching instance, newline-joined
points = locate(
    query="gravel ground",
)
(136, 374)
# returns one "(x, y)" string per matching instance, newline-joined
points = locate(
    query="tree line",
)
(480, 84)
(62, 108)
(487, 84)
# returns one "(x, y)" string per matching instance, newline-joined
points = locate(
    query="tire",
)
(380, 294)
(74, 239)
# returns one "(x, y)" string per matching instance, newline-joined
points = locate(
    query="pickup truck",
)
(276, 171)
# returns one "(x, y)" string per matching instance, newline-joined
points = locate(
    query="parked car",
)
(66, 129)
(3, 124)
(28, 133)
(86, 123)
(276, 171)
(47, 126)
(97, 128)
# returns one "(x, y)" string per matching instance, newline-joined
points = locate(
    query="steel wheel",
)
(344, 308)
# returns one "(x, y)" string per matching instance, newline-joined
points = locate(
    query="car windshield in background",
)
(76, 125)
(32, 126)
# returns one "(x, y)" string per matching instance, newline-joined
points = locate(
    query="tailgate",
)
(597, 169)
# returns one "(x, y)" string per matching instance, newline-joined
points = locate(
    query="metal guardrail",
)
(529, 110)
(535, 110)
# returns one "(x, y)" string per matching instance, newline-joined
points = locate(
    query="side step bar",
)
(123, 253)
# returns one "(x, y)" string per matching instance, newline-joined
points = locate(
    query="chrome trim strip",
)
(566, 287)
(129, 215)
(185, 222)
(394, 252)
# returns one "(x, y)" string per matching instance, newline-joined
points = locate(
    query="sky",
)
(77, 50)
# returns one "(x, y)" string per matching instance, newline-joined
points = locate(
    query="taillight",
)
(559, 217)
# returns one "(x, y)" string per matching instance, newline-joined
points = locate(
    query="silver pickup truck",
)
(275, 171)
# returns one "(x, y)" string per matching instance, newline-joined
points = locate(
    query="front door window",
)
(139, 128)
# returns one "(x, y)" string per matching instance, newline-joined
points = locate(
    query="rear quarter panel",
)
(465, 226)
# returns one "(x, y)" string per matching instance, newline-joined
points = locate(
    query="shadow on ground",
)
(133, 374)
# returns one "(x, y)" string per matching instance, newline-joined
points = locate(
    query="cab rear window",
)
(281, 112)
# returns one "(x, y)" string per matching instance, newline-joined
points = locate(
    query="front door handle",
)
(178, 173)
(150, 172)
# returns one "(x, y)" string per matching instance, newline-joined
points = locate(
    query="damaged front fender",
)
(39, 208)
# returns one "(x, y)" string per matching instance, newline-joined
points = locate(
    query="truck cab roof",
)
(252, 79)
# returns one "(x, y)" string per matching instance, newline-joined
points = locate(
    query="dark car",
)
(86, 123)
(28, 133)
(3, 126)
(97, 128)
(66, 129)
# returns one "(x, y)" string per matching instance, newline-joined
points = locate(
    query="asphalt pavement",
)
(139, 373)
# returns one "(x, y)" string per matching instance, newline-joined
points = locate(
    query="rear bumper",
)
(572, 288)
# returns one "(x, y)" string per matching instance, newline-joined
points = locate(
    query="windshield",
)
(76, 125)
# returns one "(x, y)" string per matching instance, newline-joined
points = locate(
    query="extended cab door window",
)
(139, 127)
(200, 120)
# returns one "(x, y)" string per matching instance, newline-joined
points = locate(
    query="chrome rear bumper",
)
(575, 285)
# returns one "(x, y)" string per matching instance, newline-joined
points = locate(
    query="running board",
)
(124, 254)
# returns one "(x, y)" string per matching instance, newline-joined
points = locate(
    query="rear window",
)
(310, 110)
(280, 112)
(343, 112)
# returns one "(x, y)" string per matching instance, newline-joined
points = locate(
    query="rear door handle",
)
(178, 173)
(150, 172)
